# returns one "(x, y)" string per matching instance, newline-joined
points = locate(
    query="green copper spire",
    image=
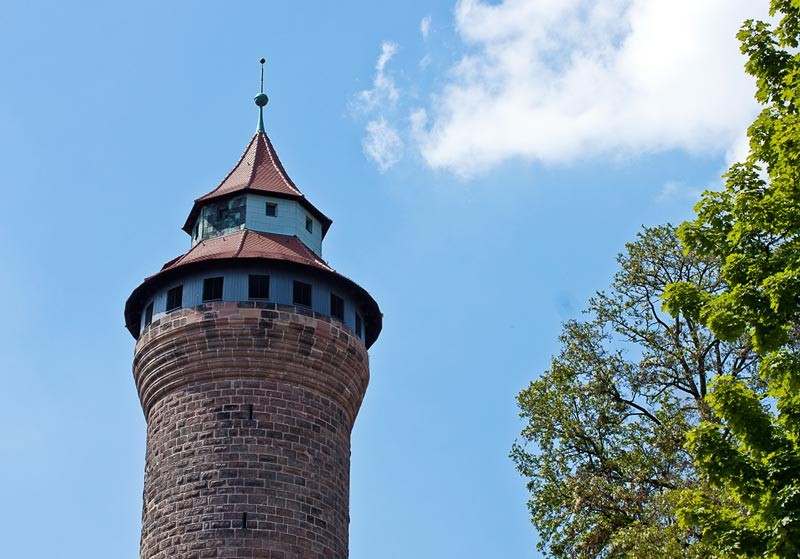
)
(261, 100)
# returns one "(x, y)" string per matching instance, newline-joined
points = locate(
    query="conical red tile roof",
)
(258, 170)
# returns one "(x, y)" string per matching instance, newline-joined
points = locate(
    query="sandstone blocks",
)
(249, 410)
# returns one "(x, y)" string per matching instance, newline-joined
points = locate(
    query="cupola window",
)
(309, 225)
(258, 287)
(212, 289)
(223, 217)
(272, 209)
(358, 325)
(337, 306)
(175, 298)
(301, 294)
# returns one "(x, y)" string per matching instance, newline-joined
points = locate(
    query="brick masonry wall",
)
(249, 410)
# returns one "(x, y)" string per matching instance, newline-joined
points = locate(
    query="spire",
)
(261, 100)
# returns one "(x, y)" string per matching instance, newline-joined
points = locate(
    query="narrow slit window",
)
(258, 287)
(212, 289)
(148, 315)
(272, 209)
(337, 306)
(175, 298)
(302, 294)
(309, 225)
(359, 326)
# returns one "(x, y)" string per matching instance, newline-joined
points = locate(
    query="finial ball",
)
(261, 99)
(262, 60)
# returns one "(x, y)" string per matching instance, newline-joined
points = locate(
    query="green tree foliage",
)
(748, 449)
(604, 444)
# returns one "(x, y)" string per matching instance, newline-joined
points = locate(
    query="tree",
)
(603, 447)
(748, 449)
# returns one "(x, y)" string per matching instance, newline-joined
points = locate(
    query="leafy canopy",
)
(603, 446)
(747, 449)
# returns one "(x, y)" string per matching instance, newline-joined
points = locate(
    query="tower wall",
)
(249, 410)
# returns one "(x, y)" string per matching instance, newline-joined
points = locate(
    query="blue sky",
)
(483, 164)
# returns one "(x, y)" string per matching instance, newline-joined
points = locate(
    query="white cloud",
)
(559, 80)
(382, 143)
(425, 61)
(425, 26)
(738, 150)
(418, 120)
(383, 86)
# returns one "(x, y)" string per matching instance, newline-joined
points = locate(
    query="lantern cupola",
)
(258, 195)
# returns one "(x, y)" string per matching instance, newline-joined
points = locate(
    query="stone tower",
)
(251, 364)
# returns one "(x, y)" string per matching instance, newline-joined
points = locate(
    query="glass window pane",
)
(258, 287)
(175, 298)
(337, 306)
(302, 294)
(212, 289)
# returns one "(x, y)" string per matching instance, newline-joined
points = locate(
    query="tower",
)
(251, 364)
